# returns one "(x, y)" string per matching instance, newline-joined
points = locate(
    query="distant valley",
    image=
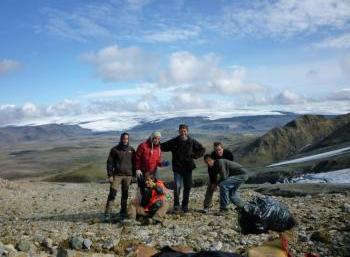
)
(60, 152)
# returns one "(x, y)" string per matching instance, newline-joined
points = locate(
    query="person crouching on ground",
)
(231, 176)
(120, 170)
(218, 153)
(152, 203)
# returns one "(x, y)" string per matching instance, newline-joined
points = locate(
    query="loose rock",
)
(76, 242)
(23, 245)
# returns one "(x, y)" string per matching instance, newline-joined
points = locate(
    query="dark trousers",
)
(209, 195)
(182, 180)
(228, 191)
(125, 182)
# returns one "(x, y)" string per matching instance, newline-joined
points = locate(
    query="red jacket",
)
(158, 194)
(147, 158)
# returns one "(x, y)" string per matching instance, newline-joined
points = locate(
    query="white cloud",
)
(203, 74)
(172, 35)
(344, 64)
(7, 66)
(287, 97)
(137, 5)
(143, 106)
(30, 109)
(113, 63)
(140, 90)
(340, 95)
(66, 107)
(119, 115)
(312, 78)
(80, 25)
(187, 101)
(184, 67)
(285, 17)
(342, 41)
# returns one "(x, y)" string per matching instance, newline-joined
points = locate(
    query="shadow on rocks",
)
(86, 217)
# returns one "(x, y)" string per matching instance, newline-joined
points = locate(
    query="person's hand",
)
(165, 163)
(138, 173)
(110, 179)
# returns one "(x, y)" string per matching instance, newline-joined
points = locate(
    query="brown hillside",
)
(280, 143)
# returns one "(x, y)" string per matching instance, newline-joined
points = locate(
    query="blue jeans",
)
(228, 191)
(184, 180)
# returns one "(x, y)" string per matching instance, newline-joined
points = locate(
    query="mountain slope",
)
(12, 134)
(338, 137)
(281, 143)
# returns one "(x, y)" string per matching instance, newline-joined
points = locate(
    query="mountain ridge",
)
(283, 142)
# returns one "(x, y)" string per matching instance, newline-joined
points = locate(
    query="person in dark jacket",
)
(120, 170)
(184, 150)
(231, 176)
(218, 153)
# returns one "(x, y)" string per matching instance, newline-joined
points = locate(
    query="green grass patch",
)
(85, 173)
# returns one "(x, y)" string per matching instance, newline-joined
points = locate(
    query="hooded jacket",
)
(148, 157)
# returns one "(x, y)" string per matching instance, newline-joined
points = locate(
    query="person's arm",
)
(110, 164)
(220, 169)
(198, 150)
(133, 162)
(159, 162)
(138, 159)
(167, 146)
(159, 190)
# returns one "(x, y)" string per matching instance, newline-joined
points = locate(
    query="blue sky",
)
(74, 61)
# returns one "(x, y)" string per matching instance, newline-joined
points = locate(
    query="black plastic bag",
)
(199, 254)
(265, 213)
(169, 252)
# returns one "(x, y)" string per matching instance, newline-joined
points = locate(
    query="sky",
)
(112, 64)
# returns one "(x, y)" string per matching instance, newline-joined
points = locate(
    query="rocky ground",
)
(51, 219)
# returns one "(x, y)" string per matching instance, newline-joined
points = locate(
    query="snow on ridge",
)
(313, 157)
(336, 176)
(126, 120)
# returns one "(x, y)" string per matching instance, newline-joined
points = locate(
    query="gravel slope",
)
(46, 215)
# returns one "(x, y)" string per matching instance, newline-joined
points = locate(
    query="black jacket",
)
(227, 155)
(183, 153)
(121, 161)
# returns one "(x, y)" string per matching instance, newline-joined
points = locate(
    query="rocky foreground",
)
(65, 219)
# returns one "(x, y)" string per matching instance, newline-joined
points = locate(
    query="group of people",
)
(153, 200)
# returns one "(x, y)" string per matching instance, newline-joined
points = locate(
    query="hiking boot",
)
(222, 212)
(129, 222)
(107, 218)
(205, 210)
(148, 221)
(158, 220)
(108, 211)
(176, 210)
(122, 216)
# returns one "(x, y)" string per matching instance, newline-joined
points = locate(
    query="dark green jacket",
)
(225, 168)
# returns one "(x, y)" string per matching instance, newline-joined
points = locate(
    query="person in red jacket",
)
(148, 156)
